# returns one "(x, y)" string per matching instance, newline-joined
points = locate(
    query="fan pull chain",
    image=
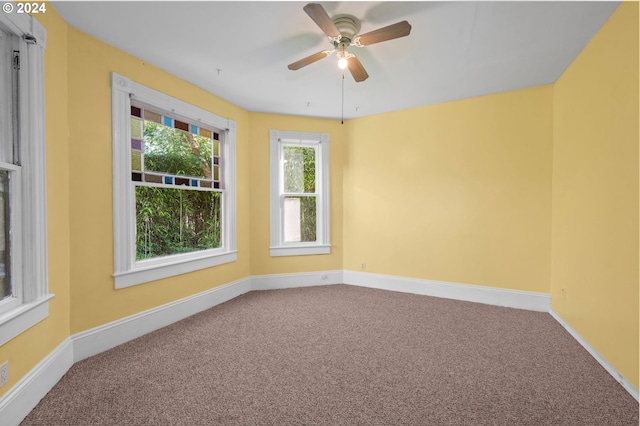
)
(342, 119)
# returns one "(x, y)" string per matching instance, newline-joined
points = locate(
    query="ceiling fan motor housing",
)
(348, 25)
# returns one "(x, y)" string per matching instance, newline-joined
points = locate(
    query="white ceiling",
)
(240, 50)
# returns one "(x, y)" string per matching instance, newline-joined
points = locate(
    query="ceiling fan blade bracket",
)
(335, 40)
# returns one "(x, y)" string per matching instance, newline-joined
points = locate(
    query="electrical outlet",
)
(363, 266)
(4, 373)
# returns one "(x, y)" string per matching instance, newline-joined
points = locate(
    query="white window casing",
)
(30, 303)
(278, 244)
(127, 270)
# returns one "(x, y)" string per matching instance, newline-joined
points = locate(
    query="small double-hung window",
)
(299, 193)
(174, 185)
(24, 292)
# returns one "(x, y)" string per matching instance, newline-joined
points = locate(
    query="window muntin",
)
(299, 193)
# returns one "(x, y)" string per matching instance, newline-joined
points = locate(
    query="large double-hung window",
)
(174, 185)
(23, 215)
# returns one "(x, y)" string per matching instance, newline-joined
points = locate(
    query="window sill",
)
(23, 317)
(300, 250)
(143, 274)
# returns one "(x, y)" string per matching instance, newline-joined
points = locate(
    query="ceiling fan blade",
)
(357, 70)
(322, 19)
(309, 60)
(400, 29)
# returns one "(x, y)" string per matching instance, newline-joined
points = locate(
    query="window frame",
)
(278, 246)
(127, 270)
(30, 303)
(15, 268)
(15, 220)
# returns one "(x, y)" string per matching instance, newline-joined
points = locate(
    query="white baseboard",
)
(107, 336)
(626, 384)
(471, 293)
(303, 279)
(25, 395)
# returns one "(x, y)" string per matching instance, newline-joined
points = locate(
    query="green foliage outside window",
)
(171, 221)
(173, 151)
(5, 227)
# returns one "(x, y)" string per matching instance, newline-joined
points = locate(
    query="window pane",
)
(152, 116)
(299, 169)
(299, 219)
(136, 128)
(171, 221)
(176, 152)
(7, 101)
(5, 252)
(136, 160)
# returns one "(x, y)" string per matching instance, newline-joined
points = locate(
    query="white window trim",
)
(32, 241)
(128, 271)
(277, 245)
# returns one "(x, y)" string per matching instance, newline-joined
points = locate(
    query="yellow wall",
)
(94, 301)
(26, 350)
(456, 192)
(594, 278)
(533, 190)
(261, 262)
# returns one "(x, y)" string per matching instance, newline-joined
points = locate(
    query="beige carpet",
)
(343, 355)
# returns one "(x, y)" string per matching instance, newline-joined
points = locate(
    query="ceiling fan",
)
(342, 31)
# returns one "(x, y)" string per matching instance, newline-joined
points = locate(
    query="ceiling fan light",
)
(342, 63)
